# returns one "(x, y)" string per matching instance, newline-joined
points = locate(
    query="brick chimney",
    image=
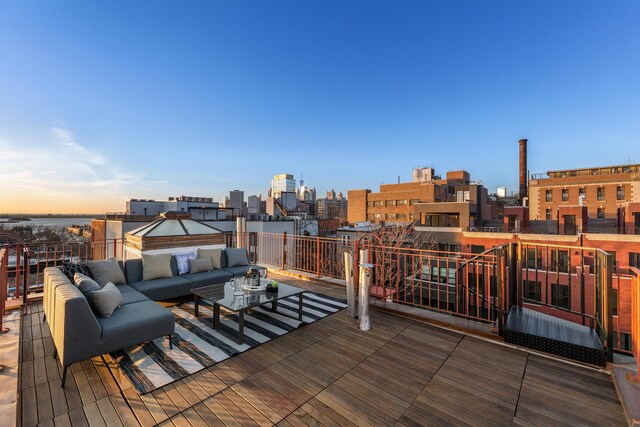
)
(523, 169)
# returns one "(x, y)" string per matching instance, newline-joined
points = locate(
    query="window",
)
(391, 216)
(346, 240)
(391, 203)
(600, 213)
(477, 249)
(600, 194)
(548, 195)
(401, 202)
(620, 193)
(560, 295)
(565, 195)
(369, 204)
(560, 261)
(401, 216)
(634, 259)
(532, 290)
(462, 196)
(548, 215)
(377, 203)
(582, 192)
(413, 201)
(534, 258)
(625, 341)
(614, 302)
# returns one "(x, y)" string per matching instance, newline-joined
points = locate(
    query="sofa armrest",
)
(75, 330)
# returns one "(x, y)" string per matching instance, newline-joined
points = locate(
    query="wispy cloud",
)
(62, 170)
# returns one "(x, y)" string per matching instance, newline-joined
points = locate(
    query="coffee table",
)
(222, 296)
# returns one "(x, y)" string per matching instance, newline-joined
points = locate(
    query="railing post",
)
(515, 274)
(16, 295)
(318, 256)
(607, 306)
(349, 276)
(365, 284)
(356, 262)
(284, 251)
(25, 277)
(500, 290)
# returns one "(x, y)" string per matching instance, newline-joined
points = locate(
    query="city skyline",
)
(103, 103)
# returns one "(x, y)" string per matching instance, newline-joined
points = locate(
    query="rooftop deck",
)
(402, 372)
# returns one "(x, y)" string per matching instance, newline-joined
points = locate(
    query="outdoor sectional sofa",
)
(79, 334)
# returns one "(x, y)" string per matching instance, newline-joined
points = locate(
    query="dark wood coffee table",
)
(221, 295)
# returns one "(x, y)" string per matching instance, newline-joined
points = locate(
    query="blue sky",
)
(101, 102)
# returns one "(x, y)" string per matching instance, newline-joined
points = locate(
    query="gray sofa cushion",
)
(85, 283)
(218, 256)
(200, 265)
(239, 270)
(156, 266)
(106, 300)
(160, 289)
(237, 257)
(130, 295)
(105, 271)
(133, 270)
(208, 278)
(132, 324)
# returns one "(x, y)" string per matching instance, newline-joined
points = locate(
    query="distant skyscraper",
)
(253, 205)
(236, 201)
(282, 183)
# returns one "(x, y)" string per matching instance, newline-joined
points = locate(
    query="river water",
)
(51, 222)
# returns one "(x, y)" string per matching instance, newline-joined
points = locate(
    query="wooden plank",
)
(58, 398)
(165, 402)
(243, 389)
(126, 415)
(78, 418)
(248, 409)
(207, 415)
(108, 412)
(84, 388)
(220, 412)
(74, 401)
(62, 420)
(94, 418)
(29, 406)
(140, 409)
(45, 407)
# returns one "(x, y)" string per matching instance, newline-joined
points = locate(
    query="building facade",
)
(601, 189)
(451, 202)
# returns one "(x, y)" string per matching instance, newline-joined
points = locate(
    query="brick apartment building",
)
(602, 190)
(429, 200)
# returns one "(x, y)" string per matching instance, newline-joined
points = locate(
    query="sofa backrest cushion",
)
(237, 257)
(85, 284)
(218, 257)
(105, 301)
(133, 270)
(199, 265)
(156, 266)
(108, 270)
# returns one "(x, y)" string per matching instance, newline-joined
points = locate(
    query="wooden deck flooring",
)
(401, 373)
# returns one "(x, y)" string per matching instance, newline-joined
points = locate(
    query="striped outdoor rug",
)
(197, 346)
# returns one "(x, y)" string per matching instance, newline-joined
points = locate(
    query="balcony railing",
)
(572, 283)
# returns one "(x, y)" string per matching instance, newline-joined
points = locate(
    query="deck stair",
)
(539, 331)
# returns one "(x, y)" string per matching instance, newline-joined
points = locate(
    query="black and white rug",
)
(197, 346)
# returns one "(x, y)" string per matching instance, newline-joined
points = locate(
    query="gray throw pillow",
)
(156, 266)
(106, 271)
(200, 264)
(85, 283)
(218, 257)
(237, 257)
(105, 301)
